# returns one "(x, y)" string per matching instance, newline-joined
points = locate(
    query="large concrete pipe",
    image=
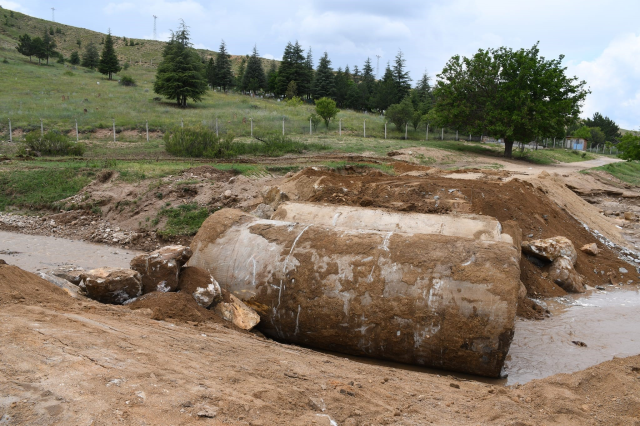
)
(434, 300)
(459, 225)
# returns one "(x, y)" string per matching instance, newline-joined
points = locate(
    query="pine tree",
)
(180, 75)
(109, 61)
(25, 46)
(90, 57)
(224, 74)
(292, 68)
(401, 78)
(342, 87)
(37, 48)
(367, 87)
(324, 84)
(254, 78)
(48, 46)
(386, 93)
(356, 74)
(210, 73)
(75, 58)
(421, 96)
(272, 77)
(240, 76)
(310, 74)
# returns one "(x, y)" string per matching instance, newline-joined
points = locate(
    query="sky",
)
(599, 39)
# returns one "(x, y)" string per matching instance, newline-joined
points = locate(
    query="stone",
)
(111, 285)
(201, 285)
(623, 270)
(263, 211)
(590, 249)
(563, 274)
(308, 281)
(69, 273)
(160, 269)
(67, 286)
(630, 216)
(522, 291)
(234, 310)
(273, 196)
(551, 248)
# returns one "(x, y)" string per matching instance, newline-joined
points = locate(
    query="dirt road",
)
(531, 169)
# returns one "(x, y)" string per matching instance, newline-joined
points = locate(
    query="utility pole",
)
(155, 32)
(377, 65)
(53, 17)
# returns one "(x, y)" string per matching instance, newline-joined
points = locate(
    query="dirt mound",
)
(176, 307)
(19, 286)
(537, 215)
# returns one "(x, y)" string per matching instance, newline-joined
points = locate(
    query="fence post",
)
(10, 134)
(442, 135)
(469, 137)
(340, 127)
(217, 127)
(385, 129)
(114, 130)
(181, 123)
(41, 129)
(76, 130)
(282, 126)
(427, 132)
(147, 130)
(456, 135)
(251, 119)
(406, 127)
(365, 129)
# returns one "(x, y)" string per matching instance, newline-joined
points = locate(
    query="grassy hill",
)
(146, 52)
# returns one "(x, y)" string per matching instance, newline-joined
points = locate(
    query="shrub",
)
(126, 66)
(127, 80)
(326, 108)
(315, 120)
(294, 101)
(53, 143)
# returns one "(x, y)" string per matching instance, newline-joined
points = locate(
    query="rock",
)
(71, 274)
(263, 211)
(228, 193)
(207, 412)
(551, 248)
(70, 288)
(563, 274)
(591, 249)
(201, 285)
(631, 216)
(522, 292)
(160, 268)
(111, 285)
(2, 262)
(234, 310)
(274, 196)
(623, 270)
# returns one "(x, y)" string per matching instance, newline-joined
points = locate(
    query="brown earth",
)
(65, 361)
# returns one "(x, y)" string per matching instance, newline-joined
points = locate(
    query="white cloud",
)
(11, 5)
(614, 80)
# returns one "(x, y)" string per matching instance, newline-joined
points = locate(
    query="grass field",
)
(628, 171)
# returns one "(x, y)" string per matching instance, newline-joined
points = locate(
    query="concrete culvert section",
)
(458, 225)
(433, 300)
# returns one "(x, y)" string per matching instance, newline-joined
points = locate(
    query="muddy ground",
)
(66, 361)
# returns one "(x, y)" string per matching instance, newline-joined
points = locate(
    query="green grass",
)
(40, 189)
(628, 171)
(551, 156)
(185, 219)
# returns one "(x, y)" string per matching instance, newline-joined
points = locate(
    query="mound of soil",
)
(177, 307)
(536, 214)
(19, 286)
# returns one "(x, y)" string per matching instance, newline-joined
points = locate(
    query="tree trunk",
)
(508, 148)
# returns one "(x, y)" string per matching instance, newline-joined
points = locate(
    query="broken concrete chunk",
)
(111, 285)
(234, 310)
(201, 285)
(591, 249)
(563, 274)
(399, 296)
(551, 248)
(159, 269)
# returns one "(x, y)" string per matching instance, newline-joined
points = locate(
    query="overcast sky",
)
(600, 39)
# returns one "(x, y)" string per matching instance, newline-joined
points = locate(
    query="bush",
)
(125, 66)
(400, 114)
(53, 143)
(326, 108)
(315, 120)
(294, 101)
(127, 80)
(202, 142)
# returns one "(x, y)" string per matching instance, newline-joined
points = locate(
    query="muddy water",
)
(606, 321)
(38, 253)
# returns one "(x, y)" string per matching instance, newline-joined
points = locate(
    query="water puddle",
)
(35, 252)
(605, 321)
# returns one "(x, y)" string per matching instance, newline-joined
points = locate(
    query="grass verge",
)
(183, 220)
(628, 171)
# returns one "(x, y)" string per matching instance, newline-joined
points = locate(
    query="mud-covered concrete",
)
(434, 300)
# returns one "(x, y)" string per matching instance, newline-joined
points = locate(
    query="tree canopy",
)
(180, 75)
(326, 108)
(254, 78)
(109, 63)
(514, 95)
(324, 83)
(223, 73)
(90, 57)
(400, 114)
(607, 125)
(629, 147)
(293, 68)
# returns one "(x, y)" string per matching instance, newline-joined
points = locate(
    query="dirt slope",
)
(67, 362)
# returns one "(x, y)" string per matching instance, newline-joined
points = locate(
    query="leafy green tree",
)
(37, 48)
(79, 43)
(401, 78)
(25, 46)
(513, 95)
(416, 119)
(109, 63)
(180, 75)
(90, 57)
(293, 68)
(48, 47)
(210, 72)
(51, 31)
(272, 77)
(400, 114)
(224, 73)
(326, 108)
(607, 125)
(254, 78)
(292, 90)
(629, 147)
(74, 59)
(324, 84)
(583, 132)
(597, 136)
